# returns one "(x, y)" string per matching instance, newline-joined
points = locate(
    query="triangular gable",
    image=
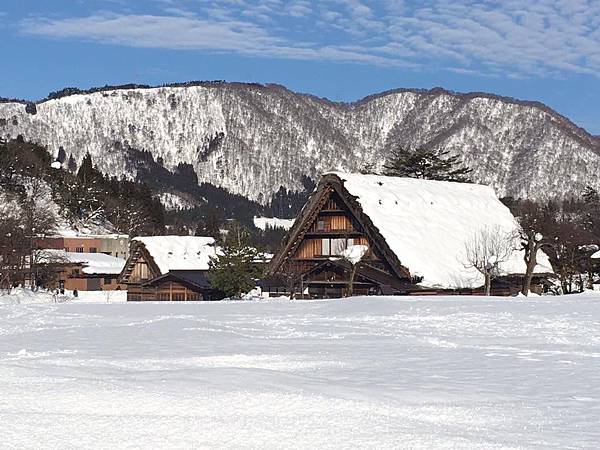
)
(138, 252)
(331, 183)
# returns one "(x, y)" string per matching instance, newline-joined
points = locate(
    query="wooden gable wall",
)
(141, 271)
(333, 229)
(140, 267)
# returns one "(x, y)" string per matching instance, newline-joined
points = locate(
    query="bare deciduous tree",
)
(485, 252)
(531, 243)
(354, 254)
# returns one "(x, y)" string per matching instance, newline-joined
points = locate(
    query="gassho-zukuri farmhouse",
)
(416, 232)
(169, 268)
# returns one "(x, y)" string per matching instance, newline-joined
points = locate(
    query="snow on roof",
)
(179, 252)
(93, 263)
(96, 232)
(596, 255)
(427, 224)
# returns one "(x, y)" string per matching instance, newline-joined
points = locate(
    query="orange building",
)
(83, 271)
(116, 245)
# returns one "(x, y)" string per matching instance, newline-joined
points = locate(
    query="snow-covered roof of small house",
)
(428, 223)
(93, 263)
(596, 255)
(179, 252)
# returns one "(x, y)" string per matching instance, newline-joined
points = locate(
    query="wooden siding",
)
(317, 248)
(332, 204)
(362, 240)
(169, 291)
(140, 271)
(309, 249)
(332, 223)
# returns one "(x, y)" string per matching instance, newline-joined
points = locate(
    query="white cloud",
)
(516, 38)
(191, 33)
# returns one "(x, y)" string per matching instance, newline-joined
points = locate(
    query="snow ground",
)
(22, 295)
(424, 373)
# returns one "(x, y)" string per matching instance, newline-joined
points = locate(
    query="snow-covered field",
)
(360, 373)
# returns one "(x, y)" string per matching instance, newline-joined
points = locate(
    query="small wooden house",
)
(169, 268)
(415, 231)
(82, 271)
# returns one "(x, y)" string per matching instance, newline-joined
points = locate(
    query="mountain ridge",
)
(422, 91)
(252, 138)
(214, 83)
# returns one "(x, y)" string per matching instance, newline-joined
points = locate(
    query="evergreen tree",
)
(72, 165)
(87, 173)
(62, 156)
(426, 164)
(234, 271)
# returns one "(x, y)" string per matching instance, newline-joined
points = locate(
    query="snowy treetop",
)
(428, 223)
(596, 255)
(179, 252)
(355, 253)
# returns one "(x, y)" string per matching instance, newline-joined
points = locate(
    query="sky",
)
(544, 50)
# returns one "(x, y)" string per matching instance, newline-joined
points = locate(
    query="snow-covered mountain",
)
(252, 139)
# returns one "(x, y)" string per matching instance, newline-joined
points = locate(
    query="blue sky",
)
(546, 50)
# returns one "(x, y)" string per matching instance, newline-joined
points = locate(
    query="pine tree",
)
(62, 156)
(234, 271)
(86, 172)
(72, 165)
(426, 164)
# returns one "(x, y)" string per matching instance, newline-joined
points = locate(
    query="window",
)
(325, 249)
(66, 249)
(338, 246)
(93, 250)
(335, 246)
(321, 225)
(79, 249)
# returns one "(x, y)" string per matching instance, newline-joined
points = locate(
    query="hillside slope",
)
(252, 139)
